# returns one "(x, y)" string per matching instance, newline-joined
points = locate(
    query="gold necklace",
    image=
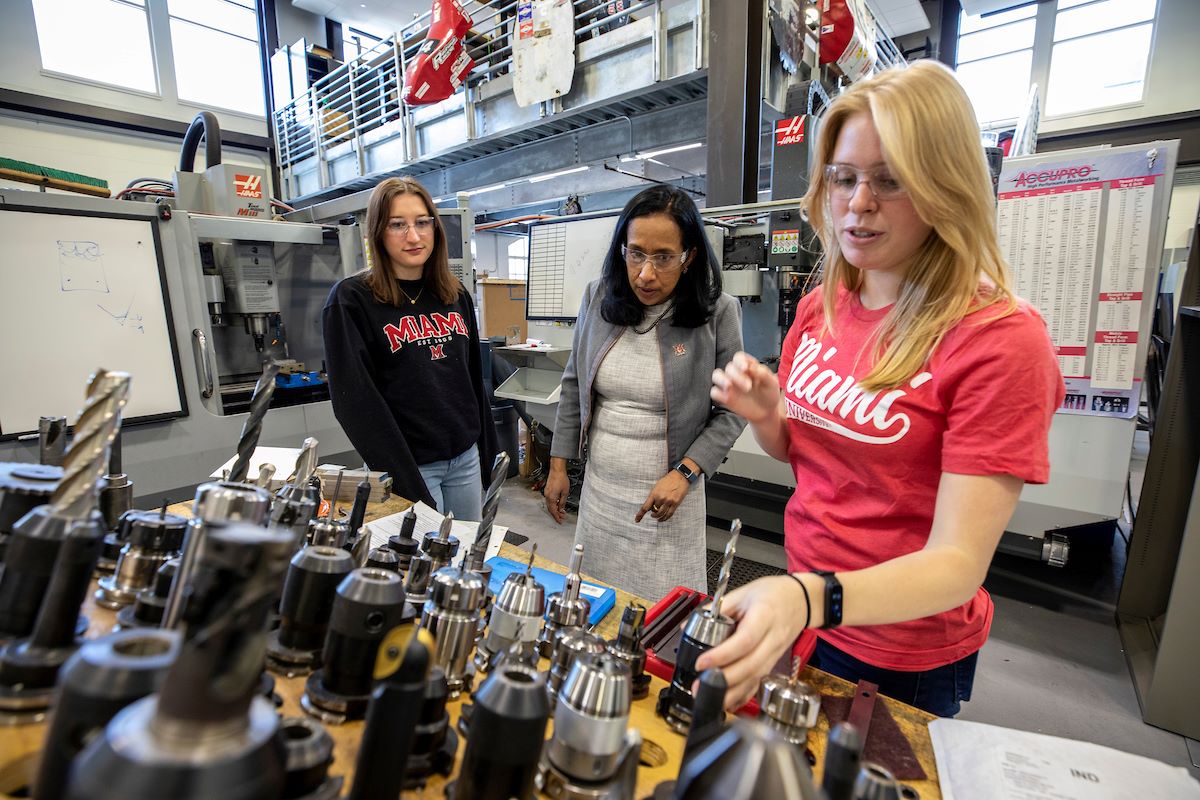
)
(411, 300)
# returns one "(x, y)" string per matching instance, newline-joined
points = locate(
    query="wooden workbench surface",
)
(19, 745)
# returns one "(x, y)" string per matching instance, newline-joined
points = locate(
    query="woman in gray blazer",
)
(635, 397)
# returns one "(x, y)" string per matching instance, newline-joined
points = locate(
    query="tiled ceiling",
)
(899, 17)
(382, 17)
(896, 17)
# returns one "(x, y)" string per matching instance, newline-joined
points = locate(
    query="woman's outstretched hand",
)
(747, 388)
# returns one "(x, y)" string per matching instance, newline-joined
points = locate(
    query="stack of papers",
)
(986, 762)
(428, 521)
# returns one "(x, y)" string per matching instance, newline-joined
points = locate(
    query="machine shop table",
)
(19, 745)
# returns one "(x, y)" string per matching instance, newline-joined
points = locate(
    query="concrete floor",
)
(1053, 663)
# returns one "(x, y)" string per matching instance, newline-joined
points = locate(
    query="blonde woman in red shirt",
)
(906, 470)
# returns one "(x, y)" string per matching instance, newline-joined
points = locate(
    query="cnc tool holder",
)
(208, 733)
(294, 648)
(368, 604)
(592, 754)
(452, 615)
(151, 539)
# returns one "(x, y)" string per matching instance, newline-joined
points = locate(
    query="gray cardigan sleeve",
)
(565, 443)
(723, 427)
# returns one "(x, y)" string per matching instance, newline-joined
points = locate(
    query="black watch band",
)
(683, 469)
(833, 598)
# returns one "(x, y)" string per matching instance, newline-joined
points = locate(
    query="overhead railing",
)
(352, 123)
(352, 119)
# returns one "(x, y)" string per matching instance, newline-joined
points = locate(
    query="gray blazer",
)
(696, 427)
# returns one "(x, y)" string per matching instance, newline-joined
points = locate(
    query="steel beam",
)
(735, 87)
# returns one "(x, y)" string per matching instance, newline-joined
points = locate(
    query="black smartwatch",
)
(833, 598)
(683, 469)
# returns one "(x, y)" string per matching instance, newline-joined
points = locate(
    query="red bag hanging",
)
(442, 63)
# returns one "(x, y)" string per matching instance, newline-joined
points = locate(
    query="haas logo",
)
(247, 185)
(789, 131)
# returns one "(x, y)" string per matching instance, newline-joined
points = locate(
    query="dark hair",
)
(698, 288)
(379, 276)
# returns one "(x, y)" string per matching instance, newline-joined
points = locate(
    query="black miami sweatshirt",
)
(407, 383)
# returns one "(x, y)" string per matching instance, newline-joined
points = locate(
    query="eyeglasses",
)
(843, 182)
(399, 227)
(660, 262)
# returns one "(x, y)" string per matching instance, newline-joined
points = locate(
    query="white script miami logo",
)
(830, 392)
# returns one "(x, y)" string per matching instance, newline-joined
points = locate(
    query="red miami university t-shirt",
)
(867, 465)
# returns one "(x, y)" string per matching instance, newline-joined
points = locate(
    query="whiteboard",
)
(78, 292)
(565, 255)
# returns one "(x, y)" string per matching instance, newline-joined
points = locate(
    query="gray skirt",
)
(627, 455)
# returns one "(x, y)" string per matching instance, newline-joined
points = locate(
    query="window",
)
(518, 258)
(1101, 50)
(76, 37)
(216, 54)
(995, 61)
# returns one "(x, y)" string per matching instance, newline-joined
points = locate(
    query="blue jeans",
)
(455, 484)
(939, 691)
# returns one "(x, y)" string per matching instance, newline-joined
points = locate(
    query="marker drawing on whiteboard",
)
(81, 267)
(127, 318)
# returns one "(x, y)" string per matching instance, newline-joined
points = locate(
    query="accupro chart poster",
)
(1082, 231)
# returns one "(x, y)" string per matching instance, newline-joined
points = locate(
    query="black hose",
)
(205, 124)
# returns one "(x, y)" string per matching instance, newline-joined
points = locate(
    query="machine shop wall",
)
(20, 70)
(100, 152)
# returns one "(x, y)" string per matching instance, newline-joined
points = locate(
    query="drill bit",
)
(265, 473)
(252, 428)
(444, 529)
(735, 530)
(337, 488)
(52, 440)
(86, 460)
(491, 503)
(362, 495)
(306, 463)
(529, 566)
(572, 582)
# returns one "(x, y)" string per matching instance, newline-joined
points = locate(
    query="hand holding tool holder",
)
(705, 629)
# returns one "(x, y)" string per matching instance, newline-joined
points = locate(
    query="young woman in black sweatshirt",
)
(402, 355)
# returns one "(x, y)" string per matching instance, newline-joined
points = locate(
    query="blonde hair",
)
(379, 276)
(931, 143)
